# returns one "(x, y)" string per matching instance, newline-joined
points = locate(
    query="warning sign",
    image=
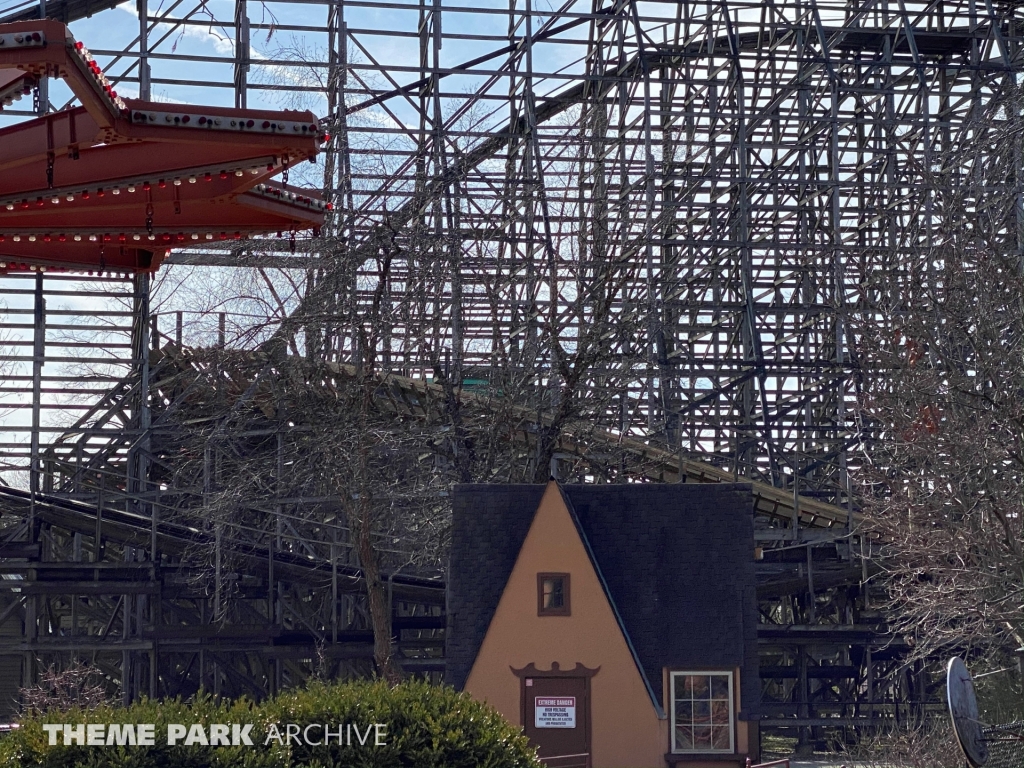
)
(553, 712)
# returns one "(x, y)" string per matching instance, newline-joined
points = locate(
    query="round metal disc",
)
(963, 708)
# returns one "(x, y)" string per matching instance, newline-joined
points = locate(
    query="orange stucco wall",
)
(626, 730)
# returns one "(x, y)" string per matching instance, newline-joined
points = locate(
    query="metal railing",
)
(581, 760)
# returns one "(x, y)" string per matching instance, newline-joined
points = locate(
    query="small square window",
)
(553, 594)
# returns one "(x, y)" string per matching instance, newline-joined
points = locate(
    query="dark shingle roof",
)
(677, 561)
(489, 526)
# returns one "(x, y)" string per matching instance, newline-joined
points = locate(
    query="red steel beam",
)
(115, 184)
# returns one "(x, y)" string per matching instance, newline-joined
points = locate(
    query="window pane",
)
(684, 713)
(684, 738)
(700, 686)
(702, 738)
(720, 687)
(553, 593)
(720, 738)
(719, 712)
(687, 686)
(701, 712)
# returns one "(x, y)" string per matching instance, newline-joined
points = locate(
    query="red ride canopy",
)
(116, 183)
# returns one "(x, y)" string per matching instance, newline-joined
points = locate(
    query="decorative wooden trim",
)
(530, 670)
(566, 594)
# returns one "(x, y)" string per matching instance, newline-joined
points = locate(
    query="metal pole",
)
(38, 358)
(144, 71)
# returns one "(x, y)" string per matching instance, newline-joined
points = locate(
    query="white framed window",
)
(702, 711)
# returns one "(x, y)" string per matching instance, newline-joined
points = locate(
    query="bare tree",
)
(75, 686)
(943, 397)
(382, 292)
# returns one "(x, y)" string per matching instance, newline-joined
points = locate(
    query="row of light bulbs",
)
(71, 194)
(132, 186)
(268, 190)
(16, 266)
(30, 267)
(23, 40)
(189, 120)
(101, 79)
(19, 40)
(13, 94)
(124, 237)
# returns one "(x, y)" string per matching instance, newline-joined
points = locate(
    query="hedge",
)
(421, 726)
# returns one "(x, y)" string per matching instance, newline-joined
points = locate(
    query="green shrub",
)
(427, 727)
(424, 726)
(28, 746)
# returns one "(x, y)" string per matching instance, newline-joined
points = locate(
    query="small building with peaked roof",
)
(616, 623)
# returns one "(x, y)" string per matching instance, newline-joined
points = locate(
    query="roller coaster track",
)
(421, 399)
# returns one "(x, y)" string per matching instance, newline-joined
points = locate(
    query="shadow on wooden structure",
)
(96, 582)
(100, 565)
